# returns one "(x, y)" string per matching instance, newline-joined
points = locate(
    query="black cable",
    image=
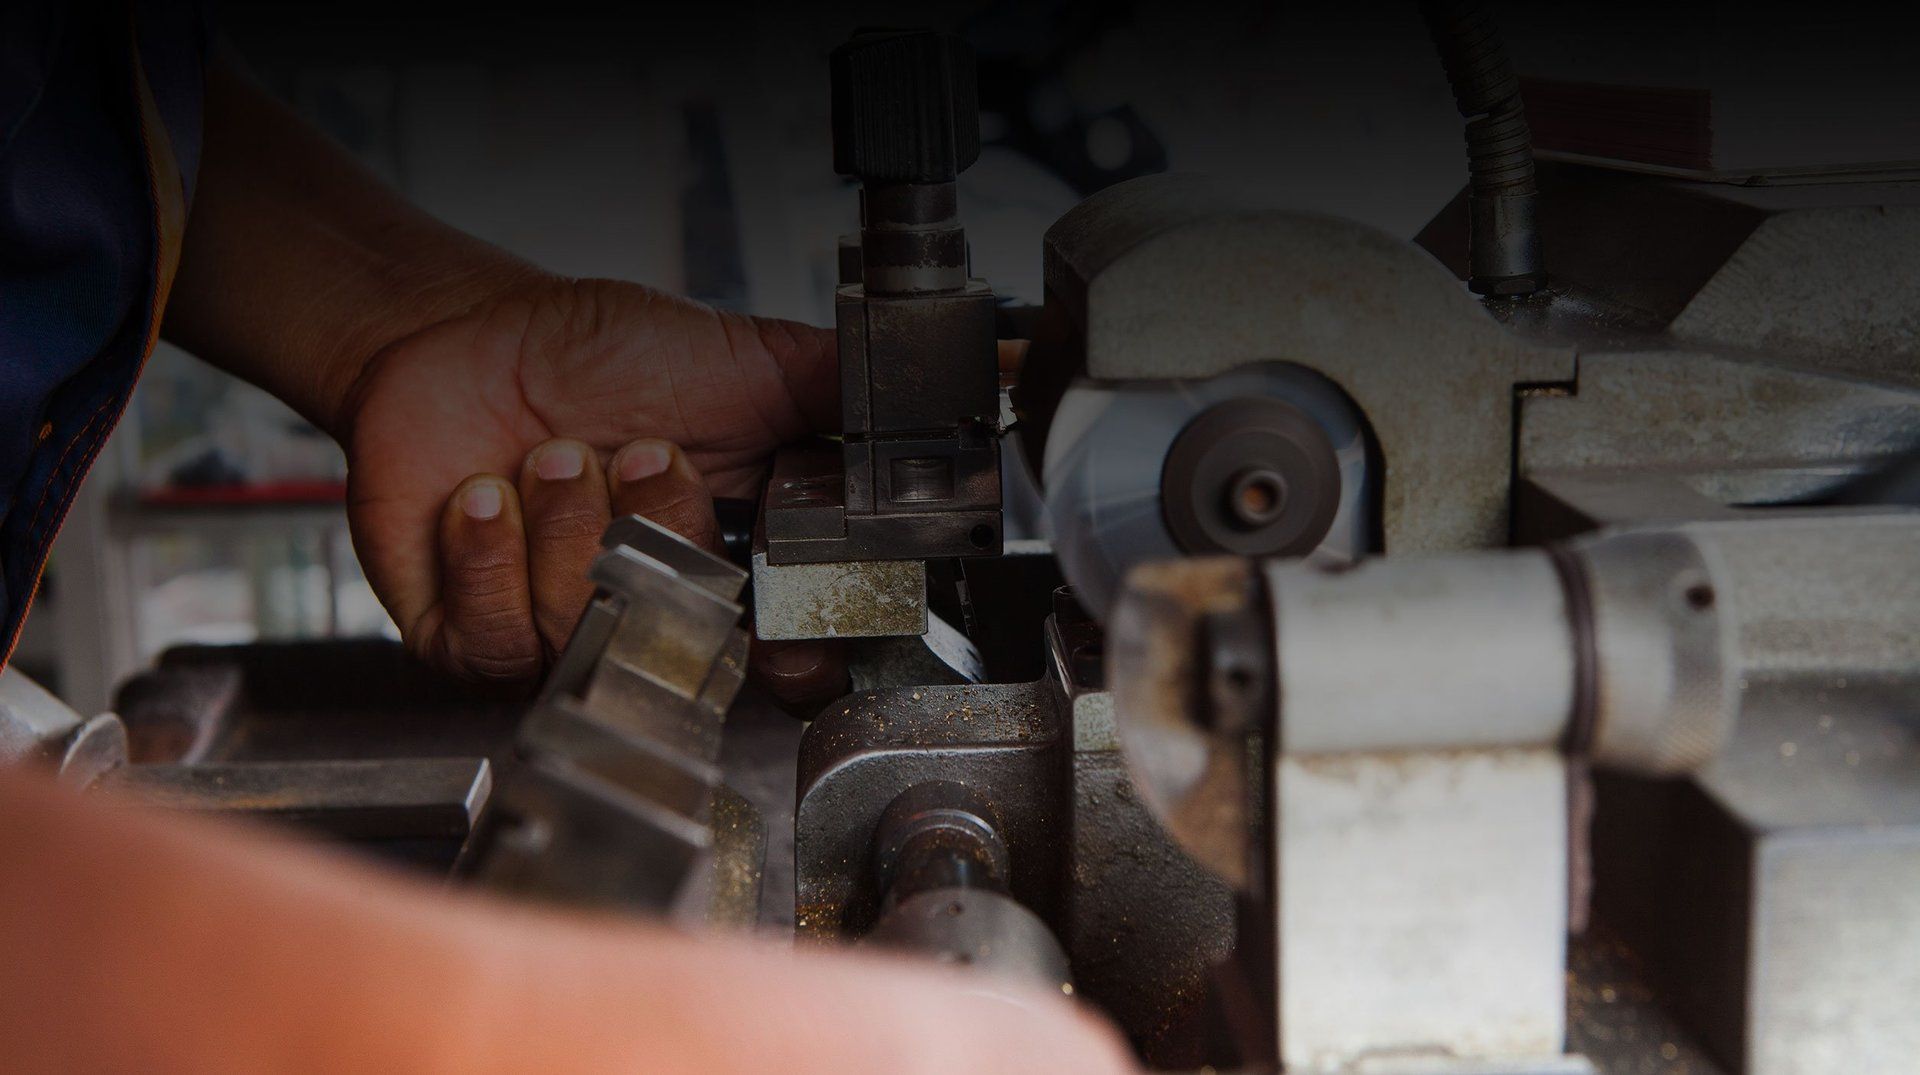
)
(1503, 242)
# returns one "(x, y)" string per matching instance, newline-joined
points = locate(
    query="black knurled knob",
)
(904, 107)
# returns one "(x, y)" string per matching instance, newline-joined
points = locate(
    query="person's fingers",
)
(564, 500)
(486, 630)
(872, 1012)
(801, 676)
(654, 478)
(809, 361)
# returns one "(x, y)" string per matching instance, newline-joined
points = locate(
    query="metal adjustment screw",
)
(904, 107)
(906, 123)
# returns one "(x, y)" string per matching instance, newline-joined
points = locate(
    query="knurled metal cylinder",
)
(1664, 684)
(905, 109)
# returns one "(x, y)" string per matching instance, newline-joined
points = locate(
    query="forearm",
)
(300, 264)
(136, 942)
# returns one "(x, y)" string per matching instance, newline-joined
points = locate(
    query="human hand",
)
(487, 453)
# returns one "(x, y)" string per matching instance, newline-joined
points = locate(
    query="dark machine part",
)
(1255, 477)
(943, 870)
(735, 516)
(938, 835)
(1144, 927)
(917, 472)
(352, 742)
(1504, 248)
(409, 811)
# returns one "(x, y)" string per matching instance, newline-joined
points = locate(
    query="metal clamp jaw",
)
(616, 795)
(916, 473)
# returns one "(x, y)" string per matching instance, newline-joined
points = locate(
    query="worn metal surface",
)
(1202, 781)
(398, 798)
(1774, 895)
(614, 795)
(809, 518)
(939, 834)
(943, 872)
(1689, 410)
(1384, 818)
(1768, 355)
(1149, 929)
(1831, 282)
(845, 599)
(1425, 706)
(1482, 644)
(1002, 741)
(1629, 644)
(1836, 594)
(1811, 270)
(740, 849)
(1422, 905)
(1141, 922)
(1173, 276)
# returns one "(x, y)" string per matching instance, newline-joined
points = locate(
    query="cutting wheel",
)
(1266, 460)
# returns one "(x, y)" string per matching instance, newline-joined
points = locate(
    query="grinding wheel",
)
(1267, 460)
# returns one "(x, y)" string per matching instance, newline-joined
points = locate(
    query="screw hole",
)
(1699, 597)
(981, 536)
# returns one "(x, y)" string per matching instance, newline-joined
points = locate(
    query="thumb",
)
(809, 362)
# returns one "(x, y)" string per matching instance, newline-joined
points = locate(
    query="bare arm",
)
(442, 364)
(141, 943)
(300, 263)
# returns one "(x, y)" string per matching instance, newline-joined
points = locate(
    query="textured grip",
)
(904, 107)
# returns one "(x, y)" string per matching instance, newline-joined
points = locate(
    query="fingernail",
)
(559, 462)
(481, 500)
(642, 461)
